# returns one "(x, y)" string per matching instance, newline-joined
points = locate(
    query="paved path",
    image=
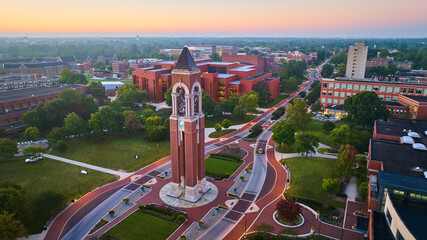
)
(351, 189)
(122, 175)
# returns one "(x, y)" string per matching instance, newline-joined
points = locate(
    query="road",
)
(77, 220)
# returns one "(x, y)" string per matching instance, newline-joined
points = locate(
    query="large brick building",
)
(14, 103)
(396, 95)
(220, 79)
(15, 81)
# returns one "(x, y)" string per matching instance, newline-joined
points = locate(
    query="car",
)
(33, 159)
(260, 151)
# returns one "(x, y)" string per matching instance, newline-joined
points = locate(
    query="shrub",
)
(233, 195)
(222, 206)
(363, 190)
(182, 237)
(126, 200)
(226, 157)
(330, 185)
(201, 223)
(180, 219)
(226, 123)
(289, 210)
(278, 113)
(33, 150)
(111, 212)
(61, 146)
(328, 126)
(218, 127)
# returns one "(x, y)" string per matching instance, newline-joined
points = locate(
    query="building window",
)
(342, 94)
(394, 99)
(343, 85)
(329, 93)
(362, 87)
(382, 89)
(411, 90)
(356, 87)
(381, 97)
(387, 98)
(329, 100)
(337, 85)
(403, 90)
(419, 91)
(399, 235)
(369, 88)
(324, 93)
(375, 88)
(425, 92)
(348, 94)
(325, 85)
(349, 86)
(331, 85)
(335, 101)
(323, 100)
(396, 89)
(389, 218)
(336, 94)
(341, 102)
(397, 192)
(389, 89)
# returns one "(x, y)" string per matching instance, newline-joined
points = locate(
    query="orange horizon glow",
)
(96, 16)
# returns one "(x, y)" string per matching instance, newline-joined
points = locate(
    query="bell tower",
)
(187, 131)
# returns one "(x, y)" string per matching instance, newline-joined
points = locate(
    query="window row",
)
(362, 87)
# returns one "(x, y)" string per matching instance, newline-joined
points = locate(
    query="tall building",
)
(187, 131)
(356, 61)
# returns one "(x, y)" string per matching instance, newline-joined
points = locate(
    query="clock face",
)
(181, 123)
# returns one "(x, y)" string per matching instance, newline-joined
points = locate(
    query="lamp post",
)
(245, 225)
(78, 183)
(157, 152)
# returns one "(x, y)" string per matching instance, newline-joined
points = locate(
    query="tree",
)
(306, 143)
(327, 71)
(8, 148)
(302, 94)
(263, 91)
(364, 108)
(74, 125)
(66, 76)
(48, 202)
(341, 70)
(284, 132)
(130, 70)
(288, 210)
(61, 146)
(289, 85)
(339, 58)
(218, 127)
(56, 134)
(10, 228)
(156, 134)
(278, 113)
(228, 105)
(248, 103)
(31, 133)
(32, 151)
(95, 126)
(98, 92)
(168, 95)
(297, 113)
(226, 123)
(346, 162)
(153, 121)
(363, 190)
(316, 107)
(2, 132)
(256, 129)
(330, 185)
(99, 66)
(110, 120)
(238, 113)
(13, 200)
(215, 57)
(341, 135)
(129, 94)
(208, 105)
(132, 123)
(328, 126)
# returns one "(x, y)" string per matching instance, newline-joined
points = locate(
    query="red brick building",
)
(377, 62)
(335, 91)
(220, 79)
(120, 67)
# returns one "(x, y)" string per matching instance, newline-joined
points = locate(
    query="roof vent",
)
(419, 146)
(414, 135)
(417, 168)
(407, 140)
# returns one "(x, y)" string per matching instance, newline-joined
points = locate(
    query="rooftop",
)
(12, 95)
(269, 79)
(223, 75)
(399, 181)
(375, 81)
(396, 104)
(259, 75)
(243, 69)
(413, 214)
(400, 127)
(235, 82)
(421, 99)
(185, 61)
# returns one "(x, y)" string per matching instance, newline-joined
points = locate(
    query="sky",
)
(218, 18)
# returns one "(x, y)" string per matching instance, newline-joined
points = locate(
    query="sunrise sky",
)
(296, 18)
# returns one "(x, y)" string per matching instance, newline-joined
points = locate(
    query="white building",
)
(356, 61)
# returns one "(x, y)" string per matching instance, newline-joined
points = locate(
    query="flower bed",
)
(298, 223)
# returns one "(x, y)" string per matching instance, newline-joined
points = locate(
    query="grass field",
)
(306, 178)
(220, 168)
(48, 174)
(118, 152)
(221, 133)
(143, 226)
(211, 121)
(274, 102)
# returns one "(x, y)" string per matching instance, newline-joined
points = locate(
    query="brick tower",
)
(187, 131)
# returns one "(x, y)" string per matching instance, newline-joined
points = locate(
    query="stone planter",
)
(288, 226)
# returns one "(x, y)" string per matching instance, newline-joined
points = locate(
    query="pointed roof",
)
(185, 61)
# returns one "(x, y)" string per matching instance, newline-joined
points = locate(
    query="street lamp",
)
(78, 183)
(245, 225)
(157, 152)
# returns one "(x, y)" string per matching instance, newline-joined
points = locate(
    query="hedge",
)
(226, 157)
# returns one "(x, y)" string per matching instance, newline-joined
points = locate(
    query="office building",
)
(356, 61)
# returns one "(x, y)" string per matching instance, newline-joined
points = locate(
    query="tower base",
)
(192, 193)
(203, 186)
(183, 201)
(174, 190)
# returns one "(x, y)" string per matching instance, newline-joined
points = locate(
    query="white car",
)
(33, 159)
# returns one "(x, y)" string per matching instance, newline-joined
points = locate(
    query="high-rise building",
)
(356, 61)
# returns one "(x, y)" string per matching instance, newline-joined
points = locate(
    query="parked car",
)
(33, 159)
(260, 151)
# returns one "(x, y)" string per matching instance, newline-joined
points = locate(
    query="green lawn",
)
(274, 102)
(306, 178)
(52, 175)
(143, 226)
(221, 133)
(220, 168)
(211, 121)
(118, 152)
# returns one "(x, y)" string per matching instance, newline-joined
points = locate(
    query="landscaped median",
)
(220, 166)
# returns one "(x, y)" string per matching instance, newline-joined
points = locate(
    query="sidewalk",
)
(122, 175)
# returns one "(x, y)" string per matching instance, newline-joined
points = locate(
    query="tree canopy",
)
(66, 76)
(284, 132)
(297, 113)
(8, 148)
(306, 143)
(98, 92)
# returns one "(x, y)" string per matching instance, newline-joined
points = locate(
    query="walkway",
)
(122, 175)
